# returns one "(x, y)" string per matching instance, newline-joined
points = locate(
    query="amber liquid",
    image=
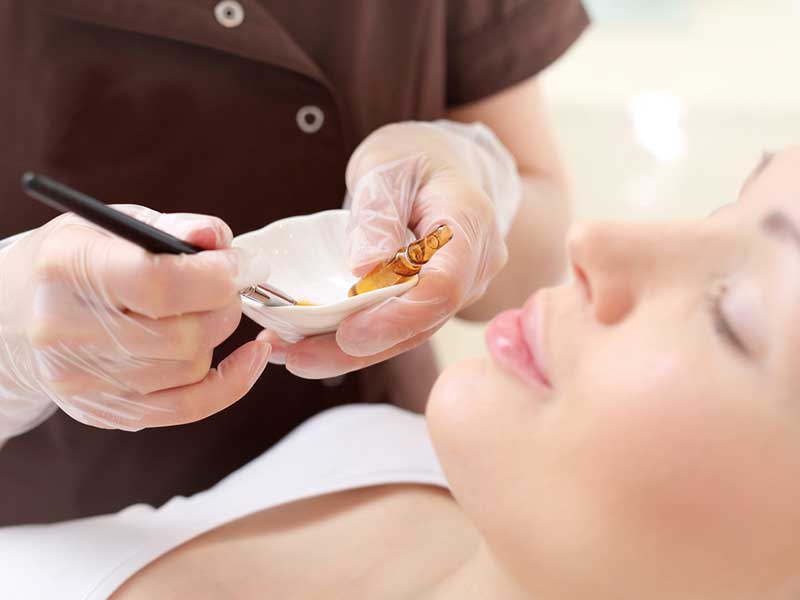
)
(406, 263)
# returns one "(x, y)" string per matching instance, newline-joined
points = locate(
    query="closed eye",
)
(721, 323)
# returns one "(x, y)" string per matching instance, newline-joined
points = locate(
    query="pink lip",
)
(511, 338)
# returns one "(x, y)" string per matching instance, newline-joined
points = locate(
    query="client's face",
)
(637, 432)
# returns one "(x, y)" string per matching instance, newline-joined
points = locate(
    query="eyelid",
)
(721, 322)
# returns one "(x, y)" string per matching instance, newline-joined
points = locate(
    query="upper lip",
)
(533, 332)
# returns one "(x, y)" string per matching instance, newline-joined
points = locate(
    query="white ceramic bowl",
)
(307, 261)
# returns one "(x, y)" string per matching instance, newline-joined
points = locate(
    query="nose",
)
(612, 262)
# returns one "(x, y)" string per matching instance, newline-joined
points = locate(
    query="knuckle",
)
(453, 303)
(450, 294)
(48, 264)
(66, 383)
(387, 143)
(187, 336)
(152, 294)
(139, 375)
(478, 204)
(389, 131)
(64, 242)
(193, 333)
(229, 317)
(501, 258)
(486, 209)
(55, 334)
(42, 334)
(198, 369)
(495, 262)
(444, 295)
(225, 286)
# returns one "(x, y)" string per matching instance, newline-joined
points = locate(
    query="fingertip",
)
(394, 321)
(207, 238)
(361, 342)
(280, 347)
(261, 354)
(314, 357)
(267, 335)
(244, 366)
(277, 358)
(224, 233)
(214, 234)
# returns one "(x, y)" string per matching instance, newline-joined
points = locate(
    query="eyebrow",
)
(766, 159)
(780, 226)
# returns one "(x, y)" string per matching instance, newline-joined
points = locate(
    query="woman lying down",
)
(635, 435)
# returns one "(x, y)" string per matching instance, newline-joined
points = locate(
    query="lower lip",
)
(507, 346)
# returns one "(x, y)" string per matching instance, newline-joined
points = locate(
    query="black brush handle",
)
(65, 199)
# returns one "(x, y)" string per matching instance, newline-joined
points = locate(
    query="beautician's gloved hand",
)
(119, 338)
(416, 176)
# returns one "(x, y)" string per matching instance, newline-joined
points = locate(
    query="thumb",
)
(382, 200)
(205, 231)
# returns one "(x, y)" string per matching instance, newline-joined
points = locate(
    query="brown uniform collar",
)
(259, 37)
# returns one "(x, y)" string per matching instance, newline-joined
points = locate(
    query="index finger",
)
(437, 296)
(161, 285)
(206, 231)
(105, 270)
(320, 357)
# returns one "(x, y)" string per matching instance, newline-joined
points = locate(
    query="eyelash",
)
(721, 324)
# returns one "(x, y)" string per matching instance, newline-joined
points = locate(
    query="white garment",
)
(343, 448)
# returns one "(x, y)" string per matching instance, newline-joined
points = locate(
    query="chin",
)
(458, 392)
(474, 412)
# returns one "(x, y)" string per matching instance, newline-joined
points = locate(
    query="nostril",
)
(613, 305)
(583, 281)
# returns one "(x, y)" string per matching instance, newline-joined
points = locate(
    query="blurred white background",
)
(662, 109)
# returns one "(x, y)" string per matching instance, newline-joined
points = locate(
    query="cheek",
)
(673, 477)
(640, 432)
(684, 466)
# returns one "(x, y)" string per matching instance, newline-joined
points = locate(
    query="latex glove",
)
(417, 176)
(119, 338)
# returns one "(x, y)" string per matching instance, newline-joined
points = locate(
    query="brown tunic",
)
(173, 105)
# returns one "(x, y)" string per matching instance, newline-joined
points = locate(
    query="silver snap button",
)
(310, 119)
(229, 13)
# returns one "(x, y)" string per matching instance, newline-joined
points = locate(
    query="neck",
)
(479, 577)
